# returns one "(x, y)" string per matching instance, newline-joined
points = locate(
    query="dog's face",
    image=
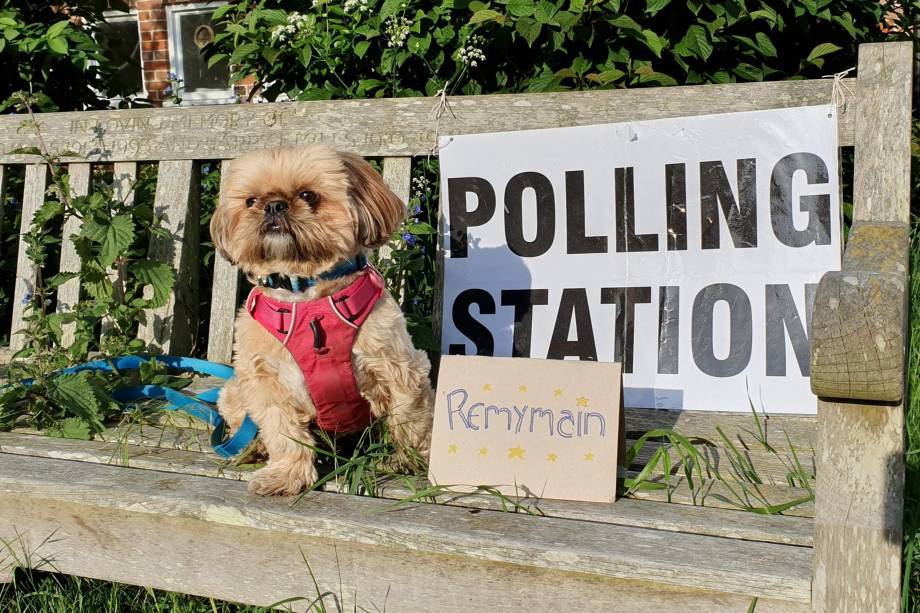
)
(299, 210)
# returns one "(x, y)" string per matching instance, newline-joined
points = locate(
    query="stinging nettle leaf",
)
(119, 235)
(159, 276)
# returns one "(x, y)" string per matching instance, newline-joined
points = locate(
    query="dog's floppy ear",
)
(222, 219)
(380, 211)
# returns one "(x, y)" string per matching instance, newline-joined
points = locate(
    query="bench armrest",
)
(859, 321)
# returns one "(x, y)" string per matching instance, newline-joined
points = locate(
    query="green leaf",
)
(625, 22)
(653, 6)
(56, 29)
(220, 11)
(242, 51)
(76, 394)
(484, 15)
(697, 41)
(118, 237)
(72, 427)
(58, 45)
(214, 59)
(545, 12)
(158, 275)
(361, 47)
(765, 44)
(529, 29)
(748, 72)
(46, 212)
(822, 50)
(654, 42)
(273, 17)
(389, 8)
(520, 8)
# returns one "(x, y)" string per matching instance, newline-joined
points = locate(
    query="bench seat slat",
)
(363, 530)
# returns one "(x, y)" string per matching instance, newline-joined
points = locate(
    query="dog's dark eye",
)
(309, 197)
(250, 202)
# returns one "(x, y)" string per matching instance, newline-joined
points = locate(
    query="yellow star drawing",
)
(483, 451)
(551, 457)
(557, 392)
(452, 448)
(589, 457)
(487, 387)
(522, 388)
(581, 401)
(516, 452)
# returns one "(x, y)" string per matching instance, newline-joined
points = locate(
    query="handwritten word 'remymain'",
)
(481, 416)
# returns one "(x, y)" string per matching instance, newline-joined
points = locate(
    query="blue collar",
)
(301, 284)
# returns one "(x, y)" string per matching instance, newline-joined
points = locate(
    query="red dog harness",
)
(320, 335)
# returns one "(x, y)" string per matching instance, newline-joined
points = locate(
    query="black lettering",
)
(514, 214)
(625, 300)
(469, 326)
(523, 301)
(818, 207)
(574, 304)
(668, 329)
(740, 330)
(782, 315)
(716, 193)
(626, 237)
(577, 239)
(460, 218)
(675, 181)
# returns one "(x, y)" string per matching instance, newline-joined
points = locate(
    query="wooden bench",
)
(152, 506)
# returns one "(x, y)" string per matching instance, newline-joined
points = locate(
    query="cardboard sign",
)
(534, 428)
(689, 249)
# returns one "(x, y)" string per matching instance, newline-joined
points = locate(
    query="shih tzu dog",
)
(319, 341)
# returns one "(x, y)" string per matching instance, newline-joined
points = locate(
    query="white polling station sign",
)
(689, 249)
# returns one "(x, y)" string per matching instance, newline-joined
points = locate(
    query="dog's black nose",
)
(276, 206)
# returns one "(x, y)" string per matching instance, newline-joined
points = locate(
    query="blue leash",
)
(177, 401)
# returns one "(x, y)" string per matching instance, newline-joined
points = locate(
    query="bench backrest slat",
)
(224, 292)
(398, 127)
(68, 293)
(33, 196)
(170, 328)
(124, 176)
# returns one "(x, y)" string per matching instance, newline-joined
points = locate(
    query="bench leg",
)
(858, 507)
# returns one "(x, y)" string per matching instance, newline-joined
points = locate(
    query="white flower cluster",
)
(297, 24)
(421, 184)
(471, 53)
(397, 30)
(356, 5)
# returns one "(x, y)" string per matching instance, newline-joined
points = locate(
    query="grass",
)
(41, 592)
(911, 581)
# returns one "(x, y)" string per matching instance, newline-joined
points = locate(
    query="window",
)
(121, 43)
(190, 29)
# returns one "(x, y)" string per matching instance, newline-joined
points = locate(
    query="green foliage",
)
(376, 48)
(55, 51)
(114, 274)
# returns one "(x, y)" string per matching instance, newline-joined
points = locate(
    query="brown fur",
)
(355, 211)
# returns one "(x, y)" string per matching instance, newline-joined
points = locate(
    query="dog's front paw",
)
(282, 480)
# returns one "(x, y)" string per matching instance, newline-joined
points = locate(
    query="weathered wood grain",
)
(33, 196)
(125, 448)
(397, 174)
(178, 507)
(224, 293)
(172, 328)
(124, 178)
(4, 209)
(858, 326)
(385, 127)
(859, 497)
(68, 293)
